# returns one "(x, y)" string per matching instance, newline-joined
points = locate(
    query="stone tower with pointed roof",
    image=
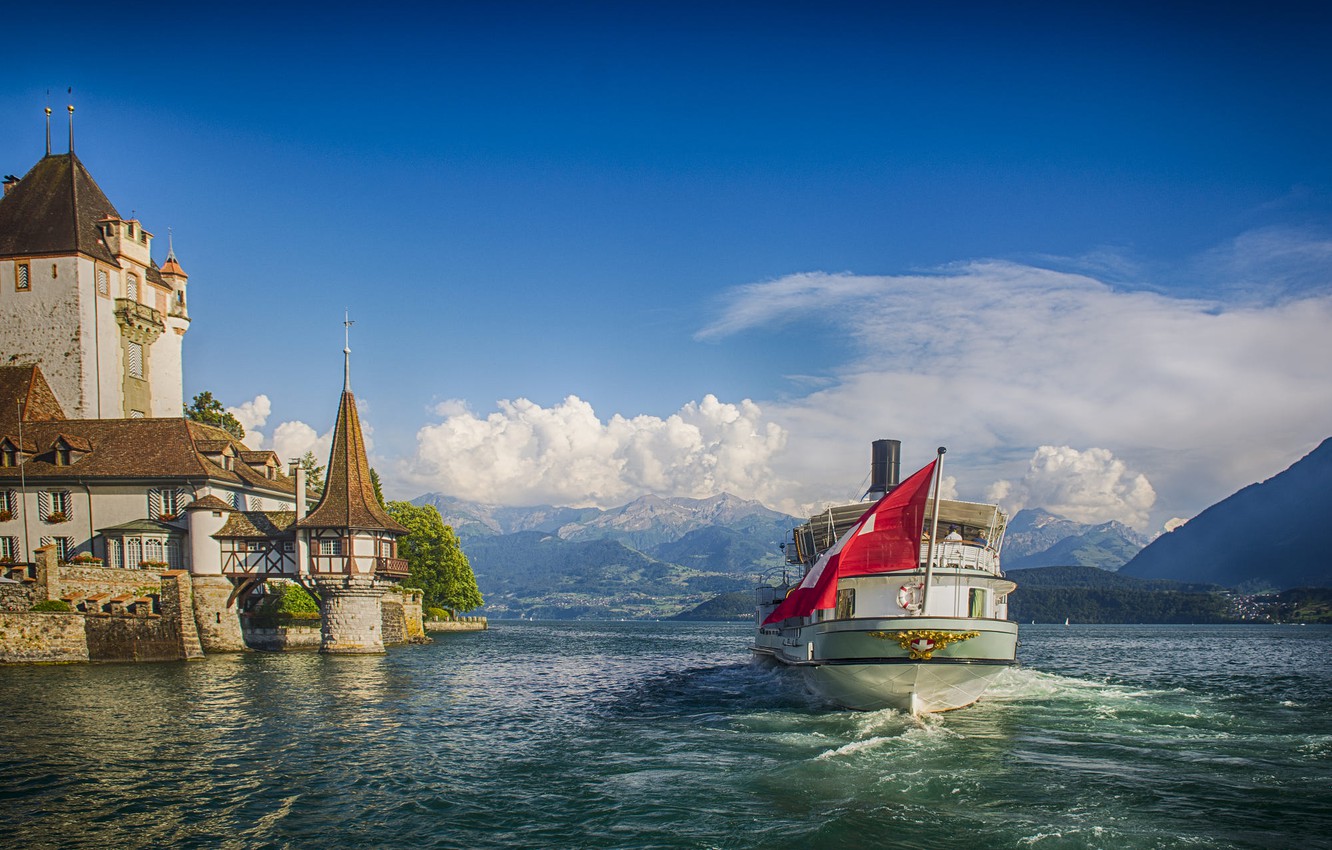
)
(81, 296)
(352, 542)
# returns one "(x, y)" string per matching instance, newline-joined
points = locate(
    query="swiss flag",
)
(885, 539)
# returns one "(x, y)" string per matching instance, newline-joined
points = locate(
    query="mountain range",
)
(656, 557)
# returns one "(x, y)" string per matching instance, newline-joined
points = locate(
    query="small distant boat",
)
(1065, 622)
(888, 614)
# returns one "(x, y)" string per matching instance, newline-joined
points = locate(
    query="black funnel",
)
(885, 466)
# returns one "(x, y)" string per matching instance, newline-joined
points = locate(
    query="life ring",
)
(909, 596)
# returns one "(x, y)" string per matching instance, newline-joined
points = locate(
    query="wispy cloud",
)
(999, 359)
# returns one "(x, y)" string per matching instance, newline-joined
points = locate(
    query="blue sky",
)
(599, 250)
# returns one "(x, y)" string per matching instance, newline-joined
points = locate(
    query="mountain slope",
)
(537, 575)
(1272, 534)
(1036, 538)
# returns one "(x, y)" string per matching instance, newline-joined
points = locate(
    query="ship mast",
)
(934, 535)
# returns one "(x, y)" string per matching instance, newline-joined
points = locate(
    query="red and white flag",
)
(885, 539)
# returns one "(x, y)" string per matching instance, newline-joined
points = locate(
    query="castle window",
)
(61, 455)
(103, 283)
(132, 287)
(135, 365)
(8, 505)
(165, 503)
(62, 545)
(8, 455)
(136, 414)
(330, 547)
(21, 281)
(55, 506)
(9, 549)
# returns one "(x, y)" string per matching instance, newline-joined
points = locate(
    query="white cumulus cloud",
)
(1091, 486)
(565, 454)
(252, 415)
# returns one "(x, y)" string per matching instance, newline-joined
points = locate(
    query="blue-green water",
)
(664, 735)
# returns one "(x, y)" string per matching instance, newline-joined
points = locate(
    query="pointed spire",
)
(71, 128)
(171, 247)
(48, 131)
(349, 498)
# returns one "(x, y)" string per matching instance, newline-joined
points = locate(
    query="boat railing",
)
(964, 555)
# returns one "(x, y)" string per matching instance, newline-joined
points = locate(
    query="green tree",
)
(379, 490)
(438, 566)
(314, 473)
(210, 411)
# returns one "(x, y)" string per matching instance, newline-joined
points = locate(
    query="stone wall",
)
(394, 620)
(17, 597)
(29, 638)
(352, 614)
(281, 638)
(219, 625)
(86, 581)
(461, 624)
(121, 638)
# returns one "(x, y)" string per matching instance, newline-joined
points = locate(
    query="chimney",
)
(298, 472)
(885, 466)
(10, 182)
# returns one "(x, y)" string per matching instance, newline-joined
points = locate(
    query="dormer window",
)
(8, 454)
(61, 454)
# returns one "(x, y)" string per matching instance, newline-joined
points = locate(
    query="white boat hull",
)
(862, 664)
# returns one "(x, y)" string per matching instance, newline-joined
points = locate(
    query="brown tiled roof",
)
(131, 448)
(209, 502)
(28, 385)
(74, 442)
(266, 524)
(349, 496)
(54, 209)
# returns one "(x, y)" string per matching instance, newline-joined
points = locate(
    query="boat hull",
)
(914, 664)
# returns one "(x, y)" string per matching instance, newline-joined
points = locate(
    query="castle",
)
(104, 487)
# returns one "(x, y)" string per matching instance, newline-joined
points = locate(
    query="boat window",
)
(977, 602)
(846, 603)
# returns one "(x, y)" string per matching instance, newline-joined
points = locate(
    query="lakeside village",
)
(128, 532)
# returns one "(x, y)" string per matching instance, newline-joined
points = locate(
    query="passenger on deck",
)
(953, 534)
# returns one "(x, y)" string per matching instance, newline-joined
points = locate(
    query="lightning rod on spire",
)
(346, 350)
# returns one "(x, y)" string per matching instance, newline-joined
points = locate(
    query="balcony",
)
(341, 565)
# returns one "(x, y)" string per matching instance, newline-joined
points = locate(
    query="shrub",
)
(283, 598)
(437, 614)
(53, 605)
(153, 565)
(57, 516)
(6, 515)
(86, 559)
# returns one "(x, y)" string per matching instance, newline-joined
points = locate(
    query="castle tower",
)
(353, 542)
(81, 296)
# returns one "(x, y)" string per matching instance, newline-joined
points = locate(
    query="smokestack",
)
(885, 466)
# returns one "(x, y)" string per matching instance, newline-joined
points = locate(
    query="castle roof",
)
(26, 385)
(111, 449)
(349, 496)
(55, 209)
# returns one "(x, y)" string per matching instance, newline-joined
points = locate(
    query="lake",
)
(643, 735)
